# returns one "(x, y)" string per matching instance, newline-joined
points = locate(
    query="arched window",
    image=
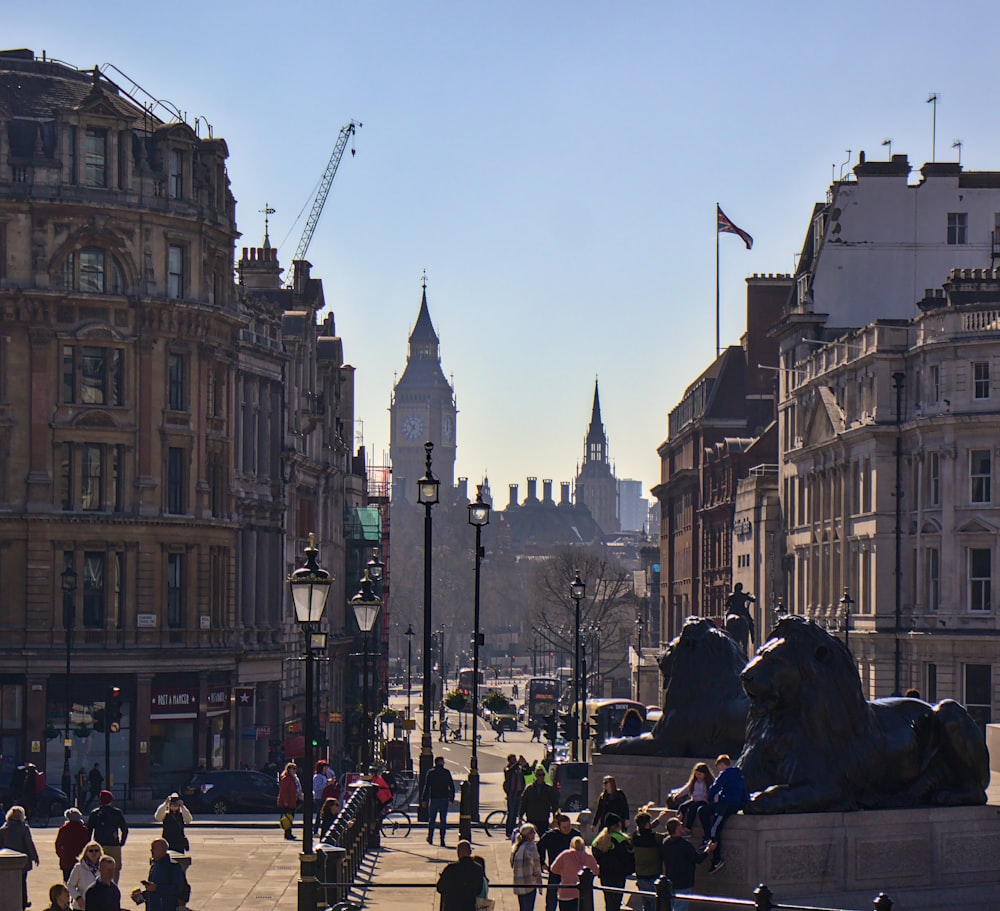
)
(92, 270)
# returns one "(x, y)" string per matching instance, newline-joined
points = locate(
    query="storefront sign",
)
(263, 732)
(244, 696)
(218, 701)
(174, 702)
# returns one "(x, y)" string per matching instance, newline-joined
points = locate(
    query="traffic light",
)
(115, 713)
(99, 719)
(567, 725)
(595, 728)
(550, 728)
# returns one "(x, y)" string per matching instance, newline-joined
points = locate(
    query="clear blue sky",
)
(553, 166)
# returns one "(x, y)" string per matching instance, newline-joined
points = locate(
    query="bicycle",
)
(496, 819)
(395, 823)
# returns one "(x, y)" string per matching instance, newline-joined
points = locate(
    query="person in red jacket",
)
(289, 797)
(71, 838)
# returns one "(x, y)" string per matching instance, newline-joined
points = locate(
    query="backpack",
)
(39, 782)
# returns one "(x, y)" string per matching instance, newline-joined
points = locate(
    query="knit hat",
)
(105, 797)
(73, 814)
(612, 819)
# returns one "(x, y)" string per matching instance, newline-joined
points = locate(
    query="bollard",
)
(465, 811)
(883, 902)
(664, 894)
(586, 890)
(762, 898)
(330, 865)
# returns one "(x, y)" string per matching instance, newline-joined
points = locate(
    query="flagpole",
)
(717, 348)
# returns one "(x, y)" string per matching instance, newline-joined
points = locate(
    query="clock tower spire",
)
(422, 409)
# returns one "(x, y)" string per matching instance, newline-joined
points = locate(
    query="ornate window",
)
(93, 271)
(93, 375)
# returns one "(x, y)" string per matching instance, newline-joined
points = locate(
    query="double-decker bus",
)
(605, 717)
(465, 680)
(541, 699)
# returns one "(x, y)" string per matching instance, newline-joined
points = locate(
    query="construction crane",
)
(346, 131)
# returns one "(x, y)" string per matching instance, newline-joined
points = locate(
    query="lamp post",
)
(845, 605)
(309, 587)
(427, 496)
(365, 605)
(479, 515)
(577, 591)
(409, 686)
(69, 621)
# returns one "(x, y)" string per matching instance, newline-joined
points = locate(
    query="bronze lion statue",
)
(814, 743)
(704, 705)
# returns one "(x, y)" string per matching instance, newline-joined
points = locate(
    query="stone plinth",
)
(923, 858)
(12, 865)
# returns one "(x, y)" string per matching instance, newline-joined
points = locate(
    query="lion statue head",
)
(814, 743)
(704, 706)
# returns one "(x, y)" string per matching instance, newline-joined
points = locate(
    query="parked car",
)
(503, 722)
(231, 792)
(570, 781)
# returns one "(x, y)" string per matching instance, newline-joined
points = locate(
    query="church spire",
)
(596, 432)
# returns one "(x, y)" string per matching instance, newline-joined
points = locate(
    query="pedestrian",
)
(539, 801)
(28, 796)
(164, 886)
(646, 848)
(536, 731)
(327, 814)
(443, 730)
(679, 858)
(500, 731)
(58, 897)
(461, 881)
(514, 691)
(612, 800)
(174, 816)
(632, 723)
(70, 840)
(693, 800)
(527, 867)
(15, 834)
(513, 788)
(289, 797)
(104, 894)
(613, 852)
(439, 792)
(550, 846)
(95, 780)
(108, 828)
(729, 795)
(567, 867)
(319, 781)
(84, 874)
(331, 788)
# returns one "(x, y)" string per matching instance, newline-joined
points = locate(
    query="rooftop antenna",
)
(933, 100)
(957, 144)
(888, 142)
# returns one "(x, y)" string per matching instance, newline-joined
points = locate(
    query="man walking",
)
(439, 792)
(162, 890)
(550, 846)
(679, 860)
(104, 895)
(513, 787)
(460, 882)
(538, 801)
(108, 828)
(94, 780)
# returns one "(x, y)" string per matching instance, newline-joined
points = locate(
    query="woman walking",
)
(527, 867)
(16, 835)
(84, 874)
(613, 852)
(567, 867)
(70, 839)
(289, 797)
(612, 800)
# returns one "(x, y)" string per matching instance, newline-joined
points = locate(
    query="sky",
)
(553, 166)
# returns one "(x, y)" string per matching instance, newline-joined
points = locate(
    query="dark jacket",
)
(729, 789)
(610, 803)
(459, 884)
(107, 826)
(513, 781)
(537, 802)
(102, 897)
(17, 836)
(553, 843)
(173, 832)
(169, 878)
(646, 847)
(679, 860)
(617, 862)
(439, 784)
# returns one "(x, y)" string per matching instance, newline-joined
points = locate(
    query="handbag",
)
(485, 904)
(286, 821)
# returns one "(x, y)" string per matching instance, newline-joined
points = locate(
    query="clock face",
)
(413, 427)
(448, 428)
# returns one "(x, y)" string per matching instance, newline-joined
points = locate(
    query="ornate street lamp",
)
(577, 591)
(69, 622)
(427, 496)
(309, 587)
(365, 605)
(375, 567)
(479, 515)
(845, 606)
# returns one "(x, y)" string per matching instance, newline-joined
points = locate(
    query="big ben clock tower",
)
(422, 409)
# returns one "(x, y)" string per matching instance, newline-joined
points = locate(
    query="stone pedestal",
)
(12, 865)
(923, 858)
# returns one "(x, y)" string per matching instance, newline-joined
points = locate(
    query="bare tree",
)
(606, 613)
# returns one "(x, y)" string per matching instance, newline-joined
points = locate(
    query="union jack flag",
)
(727, 227)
